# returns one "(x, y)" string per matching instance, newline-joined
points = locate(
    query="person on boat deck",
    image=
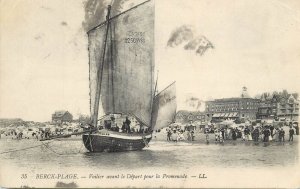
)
(124, 127)
(127, 125)
(114, 126)
(107, 124)
(137, 128)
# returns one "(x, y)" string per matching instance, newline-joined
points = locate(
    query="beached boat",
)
(121, 75)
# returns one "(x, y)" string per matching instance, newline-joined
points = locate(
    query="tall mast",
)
(100, 72)
(112, 69)
(153, 101)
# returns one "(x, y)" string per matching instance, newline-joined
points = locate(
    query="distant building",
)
(267, 108)
(288, 109)
(279, 106)
(233, 108)
(61, 117)
(186, 117)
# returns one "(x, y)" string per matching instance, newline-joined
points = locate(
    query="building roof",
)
(232, 99)
(59, 113)
(186, 112)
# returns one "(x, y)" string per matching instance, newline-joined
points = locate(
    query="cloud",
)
(180, 35)
(63, 23)
(200, 44)
(187, 35)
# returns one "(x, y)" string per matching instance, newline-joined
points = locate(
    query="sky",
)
(44, 56)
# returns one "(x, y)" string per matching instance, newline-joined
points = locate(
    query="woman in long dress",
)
(216, 135)
(174, 136)
(234, 134)
(276, 135)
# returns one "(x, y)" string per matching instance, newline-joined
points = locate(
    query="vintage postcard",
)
(149, 94)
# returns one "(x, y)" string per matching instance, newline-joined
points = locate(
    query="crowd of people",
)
(126, 127)
(28, 135)
(245, 133)
(177, 134)
(262, 133)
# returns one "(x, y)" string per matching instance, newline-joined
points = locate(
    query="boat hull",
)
(114, 141)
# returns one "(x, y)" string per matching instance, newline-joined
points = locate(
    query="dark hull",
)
(111, 141)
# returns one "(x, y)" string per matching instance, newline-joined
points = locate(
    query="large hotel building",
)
(242, 107)
(279, 107)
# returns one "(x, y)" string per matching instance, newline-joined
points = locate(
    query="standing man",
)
(292, 132)
(247, 133)
(206, 131)
(281, 135)
(297, 129)
(256, 134)
(223, 133)
(127, 124)
(271, 129)
(234, 134)
(266, 135)
(169, 133)
(113, 124)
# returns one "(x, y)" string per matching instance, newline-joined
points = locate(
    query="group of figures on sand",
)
(179, 135)
(264, 134)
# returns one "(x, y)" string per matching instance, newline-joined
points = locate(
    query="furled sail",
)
(127, 75)
(96, 48)
(164, 107)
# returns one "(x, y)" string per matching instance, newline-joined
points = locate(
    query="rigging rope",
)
(9, 151)
(43, 144)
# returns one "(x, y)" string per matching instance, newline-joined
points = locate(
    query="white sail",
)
(127, 76)
(96, 47)
(164, 107)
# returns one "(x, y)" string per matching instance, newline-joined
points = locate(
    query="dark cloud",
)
(95, 11)
(63, 23)
(200, 44)
(187, 36)
(180, 35)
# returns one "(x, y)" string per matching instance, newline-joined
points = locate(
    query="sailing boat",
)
(122, 89)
